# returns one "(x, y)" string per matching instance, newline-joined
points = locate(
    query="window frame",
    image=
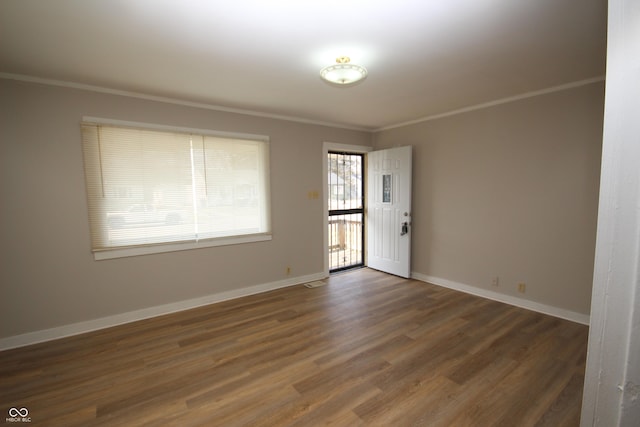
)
(172, 246)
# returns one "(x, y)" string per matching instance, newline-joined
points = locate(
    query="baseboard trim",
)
(507, 299)
(146, 313)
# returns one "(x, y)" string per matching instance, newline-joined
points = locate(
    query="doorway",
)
(345, 190)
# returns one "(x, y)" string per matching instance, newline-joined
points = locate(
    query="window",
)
(154, 189)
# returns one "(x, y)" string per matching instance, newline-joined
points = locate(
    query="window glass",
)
(148, 186)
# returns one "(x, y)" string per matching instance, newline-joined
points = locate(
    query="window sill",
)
(178, 246)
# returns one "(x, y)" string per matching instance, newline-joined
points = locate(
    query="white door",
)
(389, 210)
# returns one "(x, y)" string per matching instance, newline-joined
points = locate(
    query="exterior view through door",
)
(346, 210)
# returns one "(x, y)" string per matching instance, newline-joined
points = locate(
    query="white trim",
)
(179, 246)
(496, 102)
(146, 313)
(611, 394)
(345, 148)
(167, 100)
(138, 95)
(326, 147)
(507, 299)
(169, 128)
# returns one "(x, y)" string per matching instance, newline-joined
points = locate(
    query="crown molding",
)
(202, 105)
(501, 101)
(175, 101)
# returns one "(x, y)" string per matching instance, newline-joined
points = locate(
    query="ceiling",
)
(424, 57)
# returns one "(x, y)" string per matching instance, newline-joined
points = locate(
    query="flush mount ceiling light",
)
(343, 72)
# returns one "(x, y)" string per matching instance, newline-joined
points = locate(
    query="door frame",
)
(348, 212)
(345, 148)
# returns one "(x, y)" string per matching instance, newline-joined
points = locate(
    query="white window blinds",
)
(149, 187)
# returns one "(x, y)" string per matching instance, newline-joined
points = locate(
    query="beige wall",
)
(510, 191)
(48, 275)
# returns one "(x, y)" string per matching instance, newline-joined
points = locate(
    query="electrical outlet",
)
(495, 281)
(522, 287)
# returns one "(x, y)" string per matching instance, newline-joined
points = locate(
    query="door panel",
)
(389, 210)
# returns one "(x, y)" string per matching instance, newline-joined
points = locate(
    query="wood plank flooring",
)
(367, 349)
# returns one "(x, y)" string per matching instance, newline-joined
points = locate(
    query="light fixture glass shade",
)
(343, 72)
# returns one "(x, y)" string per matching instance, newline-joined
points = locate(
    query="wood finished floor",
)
(367, 349)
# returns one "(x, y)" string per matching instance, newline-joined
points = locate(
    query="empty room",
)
(352, 213)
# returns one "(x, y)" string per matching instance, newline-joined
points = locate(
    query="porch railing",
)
(345, 241)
